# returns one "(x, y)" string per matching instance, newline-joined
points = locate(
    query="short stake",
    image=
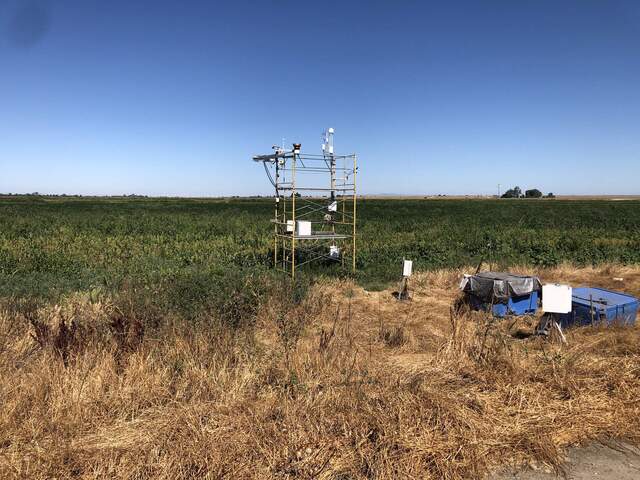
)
(403, 293)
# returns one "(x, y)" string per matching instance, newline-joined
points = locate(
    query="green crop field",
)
(50, 246)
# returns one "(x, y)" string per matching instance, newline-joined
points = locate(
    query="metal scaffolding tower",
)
(315, 205)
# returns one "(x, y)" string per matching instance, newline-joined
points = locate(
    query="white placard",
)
(556, 298)
(406, 268)
(304, 228)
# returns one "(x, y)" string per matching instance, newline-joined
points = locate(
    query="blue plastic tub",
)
(516, 305)
(597, 305)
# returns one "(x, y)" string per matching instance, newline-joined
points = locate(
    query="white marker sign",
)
(556, 298)
(406, 268)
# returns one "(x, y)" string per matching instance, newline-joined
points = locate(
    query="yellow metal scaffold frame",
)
(320, 189)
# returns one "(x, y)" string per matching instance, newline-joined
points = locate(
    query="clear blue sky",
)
(173, 98)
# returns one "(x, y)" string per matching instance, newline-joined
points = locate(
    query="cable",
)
(266, 169)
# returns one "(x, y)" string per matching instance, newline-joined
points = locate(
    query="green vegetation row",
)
(184, 248)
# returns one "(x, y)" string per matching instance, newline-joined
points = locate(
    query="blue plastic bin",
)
(516, 305)
(597, 305)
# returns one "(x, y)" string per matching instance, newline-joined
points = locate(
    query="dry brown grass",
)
(349, 384)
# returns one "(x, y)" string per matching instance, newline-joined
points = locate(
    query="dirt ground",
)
(618, 461)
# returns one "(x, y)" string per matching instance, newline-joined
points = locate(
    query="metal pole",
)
(275, 237)
(284, 220)
(293, 217)
(275, 226)
(333, 177)
(355, 168)
(333, 187)
(342, 204)
(332, 164)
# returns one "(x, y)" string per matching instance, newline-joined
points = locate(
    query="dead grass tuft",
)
(332, 385)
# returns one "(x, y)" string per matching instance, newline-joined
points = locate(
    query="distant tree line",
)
(516, 192)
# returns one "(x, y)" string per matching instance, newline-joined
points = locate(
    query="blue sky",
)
(173, 98)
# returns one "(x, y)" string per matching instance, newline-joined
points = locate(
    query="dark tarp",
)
(498, 287)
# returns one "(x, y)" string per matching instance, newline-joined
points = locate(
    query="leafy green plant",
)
(185, 253)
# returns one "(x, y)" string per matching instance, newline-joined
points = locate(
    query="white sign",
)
(406, 268)
(304, 228)
(556, 298)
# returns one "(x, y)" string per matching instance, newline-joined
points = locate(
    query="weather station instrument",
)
(315, 205)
